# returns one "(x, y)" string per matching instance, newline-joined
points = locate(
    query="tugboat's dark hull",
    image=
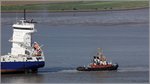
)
(113, 67)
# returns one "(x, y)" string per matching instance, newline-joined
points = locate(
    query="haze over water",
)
(71, 39)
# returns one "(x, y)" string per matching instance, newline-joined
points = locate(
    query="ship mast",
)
(100, 54)
(24, 14)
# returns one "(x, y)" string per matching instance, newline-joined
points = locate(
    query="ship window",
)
(3, 59)
(29, 58)
(27, 52)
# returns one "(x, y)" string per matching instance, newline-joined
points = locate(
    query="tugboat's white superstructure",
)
(25, 55)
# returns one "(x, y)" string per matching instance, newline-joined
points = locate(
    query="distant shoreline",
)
(74, 6)
(59, 11)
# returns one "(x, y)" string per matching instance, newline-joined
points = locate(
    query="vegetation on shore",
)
(77, 6)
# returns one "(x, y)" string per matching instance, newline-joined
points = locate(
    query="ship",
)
(26, 55)
(99, 63)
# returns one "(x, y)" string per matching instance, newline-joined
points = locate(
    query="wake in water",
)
(57, 69)
(72, 70)
(133, 69)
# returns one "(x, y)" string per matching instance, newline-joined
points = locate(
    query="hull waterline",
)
(114, 67)
(18, 67)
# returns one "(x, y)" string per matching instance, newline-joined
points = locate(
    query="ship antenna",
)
(100, 52)
(24, 14)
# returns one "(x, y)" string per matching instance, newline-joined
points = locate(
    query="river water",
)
(71, 39)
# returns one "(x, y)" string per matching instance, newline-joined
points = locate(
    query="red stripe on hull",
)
(101, 66)
(19, 71)
(11, 71)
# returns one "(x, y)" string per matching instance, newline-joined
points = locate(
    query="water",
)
(71, 39)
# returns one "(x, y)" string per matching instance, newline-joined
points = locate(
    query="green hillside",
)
(78, 6)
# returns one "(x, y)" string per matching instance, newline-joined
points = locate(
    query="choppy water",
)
(70, 40)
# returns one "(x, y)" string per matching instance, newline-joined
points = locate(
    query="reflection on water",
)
(22, 78)
(62, 75)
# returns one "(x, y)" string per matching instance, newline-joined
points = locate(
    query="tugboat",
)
(26, 55)
(99, 64)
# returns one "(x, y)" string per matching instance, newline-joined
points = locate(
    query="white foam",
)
(68, 71)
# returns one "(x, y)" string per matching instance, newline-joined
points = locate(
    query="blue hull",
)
(20, 66)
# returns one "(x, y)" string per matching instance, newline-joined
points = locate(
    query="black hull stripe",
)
(23, 28)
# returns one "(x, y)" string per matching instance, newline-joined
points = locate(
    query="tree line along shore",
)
(33, 6)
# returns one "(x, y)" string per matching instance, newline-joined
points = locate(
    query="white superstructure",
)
(21, 39)
(23, 49)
